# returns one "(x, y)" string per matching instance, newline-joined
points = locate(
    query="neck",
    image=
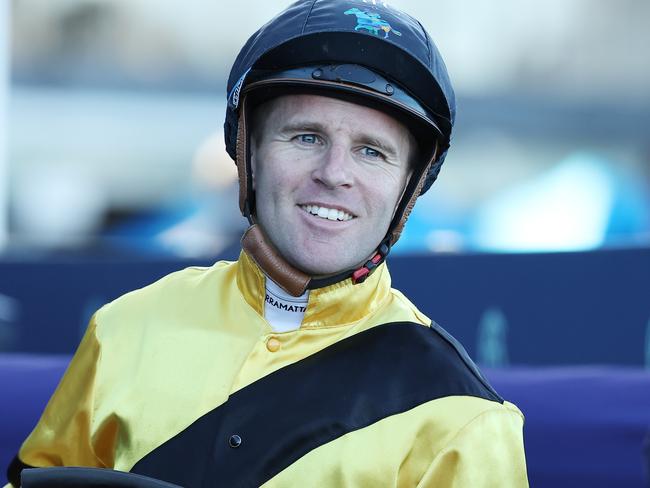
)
(337, 304)
(294, 281)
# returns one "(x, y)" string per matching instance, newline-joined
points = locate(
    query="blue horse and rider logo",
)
(372, 22)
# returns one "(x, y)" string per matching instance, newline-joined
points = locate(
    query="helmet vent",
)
(353, 74)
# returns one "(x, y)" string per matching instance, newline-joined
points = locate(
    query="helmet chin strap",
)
(294, 281)
(258, 247)
(261, 250)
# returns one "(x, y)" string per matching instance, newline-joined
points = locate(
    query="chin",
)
(314, 268)
(318, 258)
(325, 267)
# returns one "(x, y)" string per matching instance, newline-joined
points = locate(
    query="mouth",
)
(327, 213)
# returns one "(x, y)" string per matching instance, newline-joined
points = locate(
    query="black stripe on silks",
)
(14, 469)
(350, 385)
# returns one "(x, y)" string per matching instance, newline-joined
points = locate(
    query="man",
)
(298, 365)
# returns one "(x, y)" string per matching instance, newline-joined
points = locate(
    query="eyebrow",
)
(384, 147)
(363, 138)
(302, 126)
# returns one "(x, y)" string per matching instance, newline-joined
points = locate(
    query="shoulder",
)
(185, 280)
(432, 349)
(398, 308)
(443, 366)
(458, 413)
(452, 353)
(176, 293)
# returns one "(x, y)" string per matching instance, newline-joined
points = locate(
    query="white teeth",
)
(327, 213)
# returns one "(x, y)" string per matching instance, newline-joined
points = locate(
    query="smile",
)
(327, 213)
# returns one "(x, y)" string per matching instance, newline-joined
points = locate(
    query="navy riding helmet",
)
(362, 50)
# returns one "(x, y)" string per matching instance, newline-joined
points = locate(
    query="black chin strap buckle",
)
(360, 275)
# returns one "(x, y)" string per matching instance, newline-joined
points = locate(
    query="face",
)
(328, 175)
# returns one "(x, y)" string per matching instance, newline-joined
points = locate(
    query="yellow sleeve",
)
(487, 452)
(68, 434)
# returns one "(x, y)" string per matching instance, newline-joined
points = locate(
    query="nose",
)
(334, 169)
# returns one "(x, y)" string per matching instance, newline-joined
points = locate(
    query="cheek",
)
(386, 189)
(282, 169)
(276, 184)
(266, 171)
(380, 207)
(389, 178)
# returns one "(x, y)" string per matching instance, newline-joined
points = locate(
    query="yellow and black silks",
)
(186, 382)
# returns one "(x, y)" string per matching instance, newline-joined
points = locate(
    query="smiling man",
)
(298, 364)
(328, 175)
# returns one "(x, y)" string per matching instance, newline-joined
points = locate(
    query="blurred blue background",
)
(114, 126)
(112, 157)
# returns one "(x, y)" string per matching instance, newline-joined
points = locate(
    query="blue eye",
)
(371, 153)
(308, 138)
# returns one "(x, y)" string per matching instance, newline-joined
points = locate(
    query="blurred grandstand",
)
(110, 102)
